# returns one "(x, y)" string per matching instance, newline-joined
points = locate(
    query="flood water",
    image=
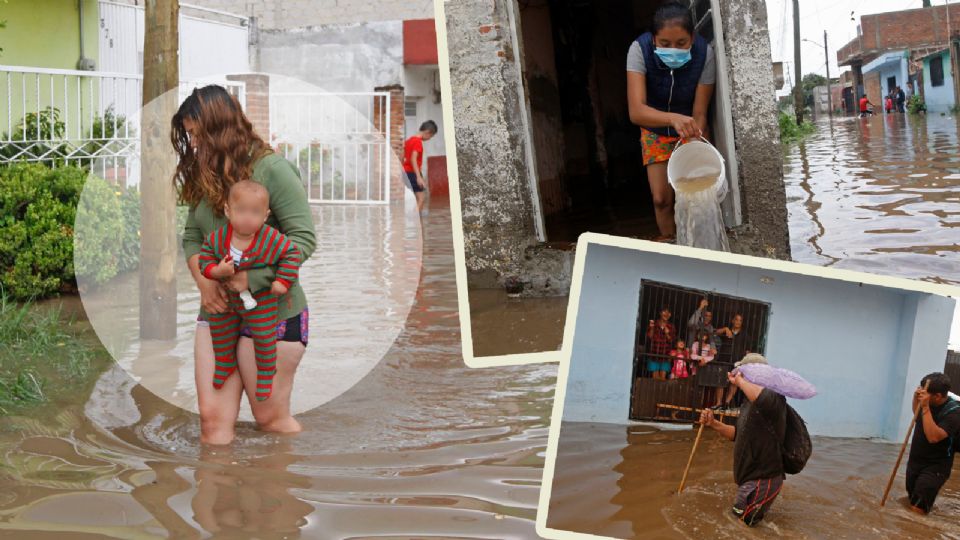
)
(878, 195)
(621, 481)
(421, 447)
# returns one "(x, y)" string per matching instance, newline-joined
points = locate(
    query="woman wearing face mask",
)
(670, 77)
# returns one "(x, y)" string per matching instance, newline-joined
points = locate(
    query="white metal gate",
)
(339, 141)
(86, 118)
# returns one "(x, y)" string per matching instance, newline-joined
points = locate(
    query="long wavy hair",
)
(226, 149)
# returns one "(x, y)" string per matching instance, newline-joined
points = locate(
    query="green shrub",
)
(790, 131)
(915, 105)
(100, 234)
(37, 134)
(37, 210)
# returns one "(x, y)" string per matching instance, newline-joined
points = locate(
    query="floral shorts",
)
(656, 148)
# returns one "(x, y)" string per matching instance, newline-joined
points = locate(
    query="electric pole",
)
(826, 54)
(797, 87)
(158, 205)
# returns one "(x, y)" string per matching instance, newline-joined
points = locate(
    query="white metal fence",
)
(87, 118)
(339, 141)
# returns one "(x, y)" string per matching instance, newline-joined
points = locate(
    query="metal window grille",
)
(679, 398)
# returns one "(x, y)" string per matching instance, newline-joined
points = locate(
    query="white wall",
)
(287, 14)
(207, 47)
(864, 347)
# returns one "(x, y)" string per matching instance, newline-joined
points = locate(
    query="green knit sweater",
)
(289, 213)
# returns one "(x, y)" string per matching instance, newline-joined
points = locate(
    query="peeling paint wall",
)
(495, 191)
(756, 131)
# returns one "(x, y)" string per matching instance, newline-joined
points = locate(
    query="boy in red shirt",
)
(864, 111)
(413, 159)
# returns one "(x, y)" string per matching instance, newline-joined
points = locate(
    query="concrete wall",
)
(938, 98)
(288, 14)
(498, 203)
(864, 354)
(336, 58)
(763, 199)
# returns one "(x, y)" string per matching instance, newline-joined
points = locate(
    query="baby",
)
(247, 242)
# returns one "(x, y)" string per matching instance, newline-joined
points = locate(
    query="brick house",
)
(896, 49)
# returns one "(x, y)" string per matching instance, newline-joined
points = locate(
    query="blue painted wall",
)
(859, 344)
(938, 98)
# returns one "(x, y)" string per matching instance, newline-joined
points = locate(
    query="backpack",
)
(797, 446)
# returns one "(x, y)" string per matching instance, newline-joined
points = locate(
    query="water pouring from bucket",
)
(696, 173)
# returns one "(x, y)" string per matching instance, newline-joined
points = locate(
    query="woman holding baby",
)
(217, 148)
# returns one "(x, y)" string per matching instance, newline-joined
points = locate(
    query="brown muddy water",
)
(504, 325)
(621, 481)
(421, 447)
(878, 195)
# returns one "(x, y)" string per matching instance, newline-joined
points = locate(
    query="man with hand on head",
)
(936, 439)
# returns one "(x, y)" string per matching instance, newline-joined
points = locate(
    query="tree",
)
(926, 3)
(158, 245)
(808, 83)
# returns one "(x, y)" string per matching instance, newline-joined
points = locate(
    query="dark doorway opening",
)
(891, 84)
(587, 152)
(679, 399)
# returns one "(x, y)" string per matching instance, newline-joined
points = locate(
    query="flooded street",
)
(504, 325)
(621, 481)
(422, 446)
(878, 195)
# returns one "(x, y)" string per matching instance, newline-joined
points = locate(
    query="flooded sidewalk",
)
(422, 446)
(621, 481)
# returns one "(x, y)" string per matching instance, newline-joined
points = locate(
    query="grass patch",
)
(790, 131)
(43, 355)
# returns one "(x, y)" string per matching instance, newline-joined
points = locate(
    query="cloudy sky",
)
(817, 16)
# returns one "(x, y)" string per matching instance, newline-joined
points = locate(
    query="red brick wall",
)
(873, 89)
(903, 30)
(258, 102)
(395, 124)
(420, 42)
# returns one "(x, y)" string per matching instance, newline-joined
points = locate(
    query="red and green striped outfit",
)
(268, 248)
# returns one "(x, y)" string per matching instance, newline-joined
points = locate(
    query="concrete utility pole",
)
(826, 56)
(797, 87)
(158, 209)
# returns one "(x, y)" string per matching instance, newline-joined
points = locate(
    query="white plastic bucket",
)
(696, 159)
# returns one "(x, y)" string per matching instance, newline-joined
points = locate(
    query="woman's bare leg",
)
(662, 198)
(219, 409)
(273, 413)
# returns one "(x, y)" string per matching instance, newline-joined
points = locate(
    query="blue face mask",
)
(673, 58)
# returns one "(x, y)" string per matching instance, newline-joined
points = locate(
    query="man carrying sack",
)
(936, 439)
(770, 441)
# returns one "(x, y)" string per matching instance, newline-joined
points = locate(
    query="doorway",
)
(587, 153)
(678, 399)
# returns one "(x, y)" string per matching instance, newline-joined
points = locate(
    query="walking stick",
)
(692, 452)
(903, 447)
